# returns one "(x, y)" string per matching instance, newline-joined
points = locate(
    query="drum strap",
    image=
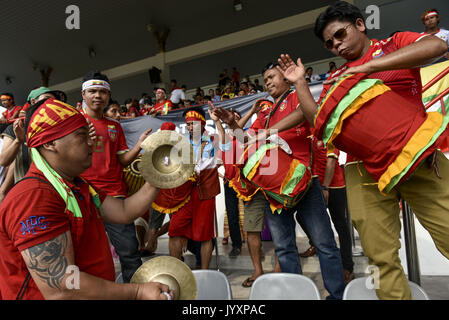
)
(267, 124)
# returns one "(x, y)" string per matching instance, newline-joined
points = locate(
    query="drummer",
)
(53, 243)
(397, 62)
(311, 209)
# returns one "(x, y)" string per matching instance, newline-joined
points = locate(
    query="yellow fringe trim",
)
(170, 210)
(241, 196)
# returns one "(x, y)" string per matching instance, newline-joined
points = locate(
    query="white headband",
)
(431, 14)
(96, 84)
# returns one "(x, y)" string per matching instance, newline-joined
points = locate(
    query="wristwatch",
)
(324, 188)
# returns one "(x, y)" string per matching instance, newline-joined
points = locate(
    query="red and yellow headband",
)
(5, 97)
(51, 121)
(195, 116)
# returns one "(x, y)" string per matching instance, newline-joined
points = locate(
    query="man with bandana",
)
(163, 105)
(110, 156)
(195, 220)
(431, 19)
(52, 241)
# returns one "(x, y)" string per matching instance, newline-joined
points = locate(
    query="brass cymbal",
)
(169, 271)
(168, 160)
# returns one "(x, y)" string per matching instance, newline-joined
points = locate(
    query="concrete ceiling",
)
(33, 33)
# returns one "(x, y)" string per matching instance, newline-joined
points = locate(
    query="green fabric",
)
(57, 182)
(438, 103)
(348, 99)
(255, 158)
(294, 180)
(37, 92)
(398, 177)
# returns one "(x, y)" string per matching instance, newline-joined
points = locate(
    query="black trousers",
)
(123, 238)
(338, 212)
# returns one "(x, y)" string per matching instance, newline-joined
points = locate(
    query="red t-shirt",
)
(159, 107)
(406, 82)
(106, 172)
(230, 158)
(297, 137)
(9, 113)
(33, 213)
(133, 110)
(320, 155)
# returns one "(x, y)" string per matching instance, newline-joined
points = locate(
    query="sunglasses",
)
(339, 35)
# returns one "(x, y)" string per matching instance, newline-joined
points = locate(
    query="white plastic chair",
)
(284, 286)
(212, 285)
(363, 289)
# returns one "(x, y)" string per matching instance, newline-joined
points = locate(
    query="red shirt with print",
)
(32, 213)
(159, 107)
(319, 156)
(406, 82)
(297, 137)
(106, 172)
(9, 113)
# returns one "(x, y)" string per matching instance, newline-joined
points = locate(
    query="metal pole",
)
(411, 249)
(216, 241)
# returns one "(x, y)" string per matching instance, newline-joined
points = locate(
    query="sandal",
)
(248, 282)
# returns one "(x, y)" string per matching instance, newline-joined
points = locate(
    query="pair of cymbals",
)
(170, 271)
(168, 160)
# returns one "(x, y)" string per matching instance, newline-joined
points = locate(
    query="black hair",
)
(197, 109)
(8, 94)
(129, 100)
(341, 11)
(110, 104)
(95, 75)
(269, 66)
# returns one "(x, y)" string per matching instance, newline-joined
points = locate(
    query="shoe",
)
(308, 253)
(224, 241)
(235, 252)
(349, 276)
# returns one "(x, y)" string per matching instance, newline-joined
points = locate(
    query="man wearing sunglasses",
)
(396, 61)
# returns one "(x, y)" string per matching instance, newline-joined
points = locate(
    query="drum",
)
(282, 178)
(132, 176)
(366, 119)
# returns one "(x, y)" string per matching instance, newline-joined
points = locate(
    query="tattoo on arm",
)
(47, 260)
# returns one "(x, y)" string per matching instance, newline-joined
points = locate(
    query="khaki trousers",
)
(376, 218)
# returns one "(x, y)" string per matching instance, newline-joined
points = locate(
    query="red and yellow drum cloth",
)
(366, 119)
(267, 168)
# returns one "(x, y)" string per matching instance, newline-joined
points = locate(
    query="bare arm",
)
(219, 126)
(126, 158)
(414, 55)
(52, 267)
(254, 109)
(328, 176)
(8, 182)
(126, 211)
(11, 147)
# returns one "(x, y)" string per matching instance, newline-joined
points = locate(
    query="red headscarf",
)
(51, 121)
